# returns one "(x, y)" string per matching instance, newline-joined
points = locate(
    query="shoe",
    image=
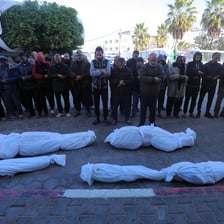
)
(20, 117)
(59, 115)
(184, 115)
(114, 122)
(11, 118)
(95, 122)
(68, 115)
(208, 115)
(3, 119)
(216, 115)
(128, 122)
(77, 113)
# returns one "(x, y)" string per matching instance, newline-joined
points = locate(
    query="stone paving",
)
(37, 197)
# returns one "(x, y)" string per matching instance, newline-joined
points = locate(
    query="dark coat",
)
(116, 76)
(148, 83)
(59, 84)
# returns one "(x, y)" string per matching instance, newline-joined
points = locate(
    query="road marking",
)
(118, 193)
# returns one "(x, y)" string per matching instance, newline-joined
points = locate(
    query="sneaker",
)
(20, 117)
(68, 115)
(59, 115)
(3, 119)
(114, 122)
(208, 115)
(128, 122)
(11, 118)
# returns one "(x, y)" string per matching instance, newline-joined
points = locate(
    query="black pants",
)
(82, 96)
(28, 99)
(103, 94)
(203, 92)
(65, 95)
(220, 96)
(161, 98)
(125, 100)
(148, 101)
(191, 94)
(173, 104)
(2, 110)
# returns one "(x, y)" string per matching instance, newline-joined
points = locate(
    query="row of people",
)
(130, 83)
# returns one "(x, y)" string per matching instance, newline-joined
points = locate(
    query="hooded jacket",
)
(40, 69)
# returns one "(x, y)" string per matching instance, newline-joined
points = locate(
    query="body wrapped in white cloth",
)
(195, 173)
(39, 143)
(131, 137)
(18, 165)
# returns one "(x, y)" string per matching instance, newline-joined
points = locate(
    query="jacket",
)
(149, 85)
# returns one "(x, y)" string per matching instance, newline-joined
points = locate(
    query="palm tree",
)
(213, 18)
(181, 17)
(162, 35)
(140, 37)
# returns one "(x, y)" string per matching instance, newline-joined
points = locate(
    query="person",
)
(49, 90)
(161, 59)
(212, 70)
(151, 75)
(40, 72)
(79, 73)
(220, 96)
(176, 86)
(9, 85)
(132, 64)
(27, 84)
(60, 83)
(194, 73)
(113, 66)
(121, 80)
(100, 73)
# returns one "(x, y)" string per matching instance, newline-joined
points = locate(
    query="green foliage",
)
(162, 35)
(141, 37)
(48, 27)
(181, 17)
(213, 18)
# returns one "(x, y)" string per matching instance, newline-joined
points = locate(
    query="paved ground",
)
(40, 197)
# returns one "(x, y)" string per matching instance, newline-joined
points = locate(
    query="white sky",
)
(102, 17)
